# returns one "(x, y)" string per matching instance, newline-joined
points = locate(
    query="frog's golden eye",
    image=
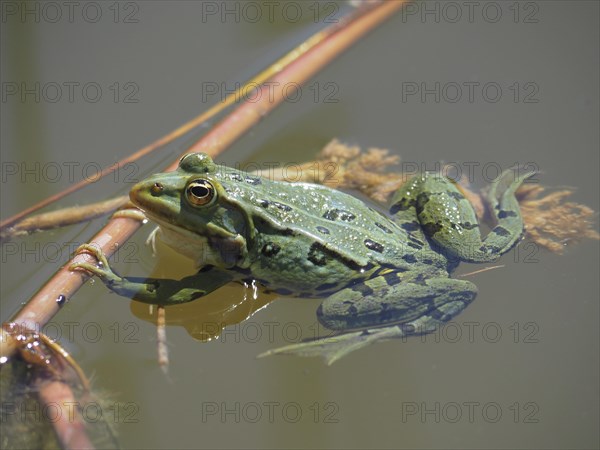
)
(200, 192)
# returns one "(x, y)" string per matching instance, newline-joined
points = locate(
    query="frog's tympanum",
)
(379, 276)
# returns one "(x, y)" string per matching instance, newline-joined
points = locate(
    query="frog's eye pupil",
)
(200, 192)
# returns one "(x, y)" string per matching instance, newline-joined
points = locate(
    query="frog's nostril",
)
(156, 189)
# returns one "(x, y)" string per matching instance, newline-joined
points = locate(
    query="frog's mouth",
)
(158, 202)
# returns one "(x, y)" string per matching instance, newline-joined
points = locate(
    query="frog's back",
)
(320, 217)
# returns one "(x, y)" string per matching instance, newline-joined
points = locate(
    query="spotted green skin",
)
(373, 270)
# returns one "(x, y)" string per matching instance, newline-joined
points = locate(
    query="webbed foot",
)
(335, 347)
(101, 270)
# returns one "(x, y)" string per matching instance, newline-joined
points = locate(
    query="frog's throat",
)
(213, 246)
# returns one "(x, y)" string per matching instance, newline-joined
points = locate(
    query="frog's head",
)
(191, 207)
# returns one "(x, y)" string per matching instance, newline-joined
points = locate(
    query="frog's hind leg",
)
(389, 300)
(397, 311)
(403, 210)
(448, 219)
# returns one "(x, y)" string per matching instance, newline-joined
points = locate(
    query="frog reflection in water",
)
(381, 277)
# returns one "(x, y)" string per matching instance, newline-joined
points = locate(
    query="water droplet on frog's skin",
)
(254, 290)
(61, 300)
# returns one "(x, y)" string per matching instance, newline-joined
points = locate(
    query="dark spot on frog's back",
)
(372, 245)
(326, 286)
(415, 240)
(363, 289)
(270, 249)
(503, 214)
(323, 230)
(281, 206)
(392, 279)
(431, 228)
(411, 226)
(383, 228)
(501, 231)
(413, 245)
(455, 195)
(262, 223)
(402, 205)
(422, 199)
(317, 256)
(386, 315)
(253, 180)
(409, 258)
(335, 214)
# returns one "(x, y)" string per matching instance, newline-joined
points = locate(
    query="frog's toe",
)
(93, 269)
(93, 250)
(101, 270)
(335, 347)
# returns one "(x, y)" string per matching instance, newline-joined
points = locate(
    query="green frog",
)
(381, 276)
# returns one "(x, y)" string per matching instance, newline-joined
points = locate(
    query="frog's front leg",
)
(448, 219)
(154, 291)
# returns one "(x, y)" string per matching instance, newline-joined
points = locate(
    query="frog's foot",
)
(405, 310)
(335, 347)
(101, 270)
(447, 218)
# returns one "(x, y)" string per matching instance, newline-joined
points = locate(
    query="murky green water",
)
(502, 83)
